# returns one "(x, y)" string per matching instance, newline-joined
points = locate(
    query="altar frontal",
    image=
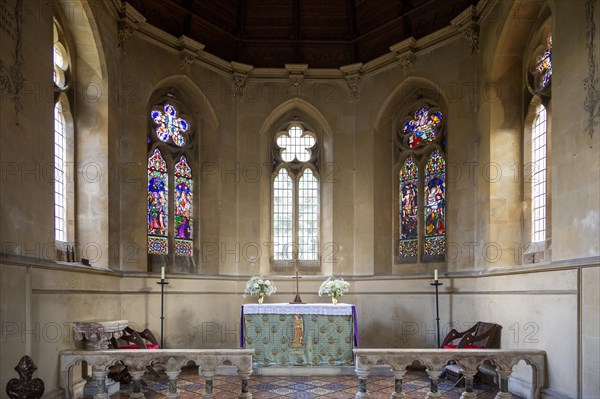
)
(300, 335)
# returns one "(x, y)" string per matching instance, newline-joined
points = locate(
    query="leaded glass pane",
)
(409, 175)
(538, 178)
(283, 216)
(183, 208)
(296, 144)
(423, 128)
(59, 175)
(158, 197)
(435, 206)
(308, 216)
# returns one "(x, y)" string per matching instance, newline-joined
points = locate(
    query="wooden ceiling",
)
(320, 33)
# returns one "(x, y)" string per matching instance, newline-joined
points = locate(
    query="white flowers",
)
(335, 287)
(258, 285)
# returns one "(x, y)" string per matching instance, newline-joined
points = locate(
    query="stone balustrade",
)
(435, 359)
(172, 360)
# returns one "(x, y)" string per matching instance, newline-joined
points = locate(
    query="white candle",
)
(435, 276)
(162, 273)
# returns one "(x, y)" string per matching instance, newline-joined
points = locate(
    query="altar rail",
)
(172, 360)
(435, 359)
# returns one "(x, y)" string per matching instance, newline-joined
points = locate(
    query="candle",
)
(435, 276)
(162, 273)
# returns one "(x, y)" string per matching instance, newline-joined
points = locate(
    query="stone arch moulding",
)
(198, 101)
(410, 91)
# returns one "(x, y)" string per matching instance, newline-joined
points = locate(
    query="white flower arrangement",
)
(334, 287)
(258, 285)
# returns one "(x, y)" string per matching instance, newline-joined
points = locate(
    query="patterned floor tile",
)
(191, 386)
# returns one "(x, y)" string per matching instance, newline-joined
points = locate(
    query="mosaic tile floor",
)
(190, 385)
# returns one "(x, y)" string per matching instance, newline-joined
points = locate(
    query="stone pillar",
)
(173, 383)
(99, 377)
(503, 392)
(398, 375)
(434, 375)
(469, 377)
(136, 389)
(245, 394)
(208, 384)
(362, 384)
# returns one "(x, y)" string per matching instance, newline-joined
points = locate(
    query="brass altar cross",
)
(297, 299)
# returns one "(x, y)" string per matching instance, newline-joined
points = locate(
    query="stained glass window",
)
(543, 66)
(283, 216)
(169, 127)
(538, 177)
(158, 200)
(183, 208)
(409, 181)
(435, 205)
(423, 128)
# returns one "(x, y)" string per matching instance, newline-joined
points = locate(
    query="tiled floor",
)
(190, 385)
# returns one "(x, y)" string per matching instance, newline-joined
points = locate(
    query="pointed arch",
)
(317, 216)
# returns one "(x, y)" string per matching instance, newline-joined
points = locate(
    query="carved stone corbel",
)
(128, 22)
(468, 24)
(352, 77)
(405, 53)
(239, 78)
(189, 50)
(296, 76)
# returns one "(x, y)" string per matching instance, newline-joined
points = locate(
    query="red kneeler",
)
(132, 339)
(481, 336)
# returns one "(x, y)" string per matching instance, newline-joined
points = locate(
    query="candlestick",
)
(162, 284)
(436, 284)
(435, 275)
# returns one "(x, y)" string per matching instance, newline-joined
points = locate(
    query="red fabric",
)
(469, 346)
(134, 346)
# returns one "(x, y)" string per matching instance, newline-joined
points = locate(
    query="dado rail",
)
(435, 359)
(172, 360)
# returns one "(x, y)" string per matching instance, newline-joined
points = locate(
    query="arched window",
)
(536, 154)
(62, 138)
(170, 184)
(296, 198)
(422, 186)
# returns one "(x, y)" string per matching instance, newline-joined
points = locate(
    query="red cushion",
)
(135, 346)
(469, 346)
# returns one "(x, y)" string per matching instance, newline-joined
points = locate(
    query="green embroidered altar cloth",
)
(299, 334)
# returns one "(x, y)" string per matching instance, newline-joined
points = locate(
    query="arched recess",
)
(501, 158)
(89, 100)
(202, 152)
(387, 163)
(302, 110)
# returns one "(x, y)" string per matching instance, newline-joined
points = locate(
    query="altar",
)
(299, 334)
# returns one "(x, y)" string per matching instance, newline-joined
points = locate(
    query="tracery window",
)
(61, 73)
(536, 154)
(422, 186)
(296, 197)
(170, 183)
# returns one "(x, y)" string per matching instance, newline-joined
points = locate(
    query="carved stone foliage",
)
(25, 387)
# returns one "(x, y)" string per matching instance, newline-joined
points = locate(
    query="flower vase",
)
(334, 299)
(261, 298)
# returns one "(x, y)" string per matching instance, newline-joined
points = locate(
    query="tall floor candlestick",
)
(162, 283)
(436, 283)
